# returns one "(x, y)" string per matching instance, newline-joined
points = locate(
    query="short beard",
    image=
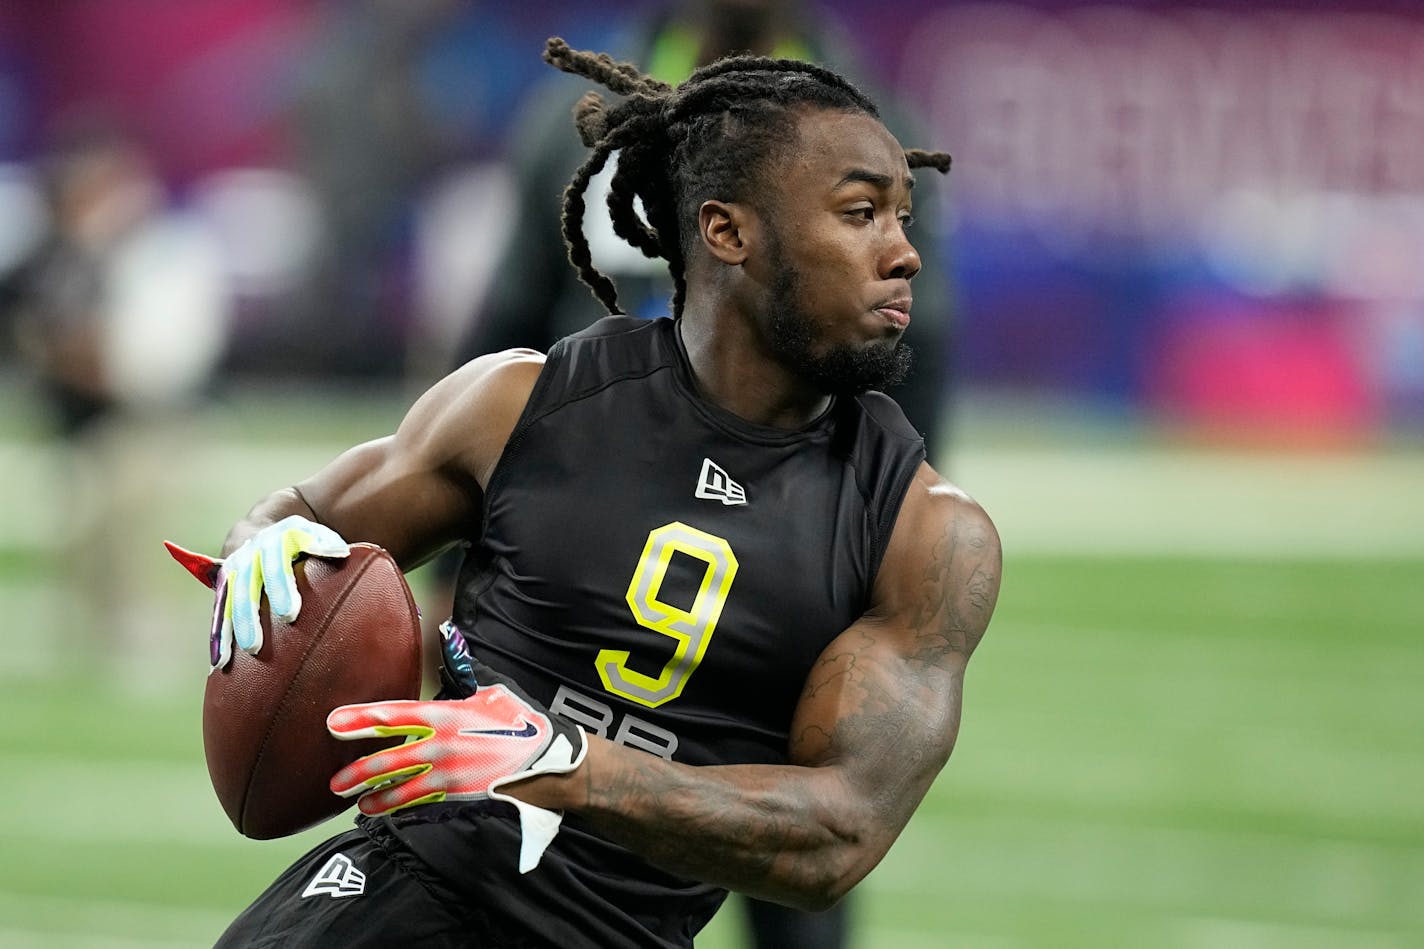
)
(838, 370)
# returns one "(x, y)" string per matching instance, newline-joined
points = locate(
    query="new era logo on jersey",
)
(714, 484)
(337, 878)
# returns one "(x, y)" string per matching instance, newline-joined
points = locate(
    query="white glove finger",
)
(245, 596)
(277, 550)
(321, 541)
(309, 537)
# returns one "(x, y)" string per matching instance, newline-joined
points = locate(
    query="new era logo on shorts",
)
(337, 878)
(715, 484)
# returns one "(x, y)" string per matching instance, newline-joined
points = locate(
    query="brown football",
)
(357, 639)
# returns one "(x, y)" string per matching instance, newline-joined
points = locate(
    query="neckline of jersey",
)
(730, 422)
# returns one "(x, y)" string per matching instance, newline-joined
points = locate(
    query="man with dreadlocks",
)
(713, 622)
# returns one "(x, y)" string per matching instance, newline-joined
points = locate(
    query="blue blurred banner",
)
(1210, 215)
(1217, 213)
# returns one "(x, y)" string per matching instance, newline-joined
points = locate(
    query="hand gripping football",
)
(357, 639)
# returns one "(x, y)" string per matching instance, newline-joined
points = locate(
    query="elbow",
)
(820, 899)
(821, 891)
(831, 873)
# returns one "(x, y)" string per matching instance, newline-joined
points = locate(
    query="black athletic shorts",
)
(446, 875)
(357, 890)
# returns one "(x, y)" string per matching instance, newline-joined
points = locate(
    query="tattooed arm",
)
(876, 722)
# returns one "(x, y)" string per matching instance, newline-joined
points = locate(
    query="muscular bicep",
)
(882, 704)
(421, 489)
(379, 493)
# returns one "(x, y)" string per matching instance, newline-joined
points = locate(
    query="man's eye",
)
(864, 214)
(907, 221)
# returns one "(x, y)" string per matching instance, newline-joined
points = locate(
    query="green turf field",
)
(1177, 734)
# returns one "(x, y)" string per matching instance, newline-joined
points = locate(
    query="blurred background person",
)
(120, 315)
(368, 142)
(99, 187)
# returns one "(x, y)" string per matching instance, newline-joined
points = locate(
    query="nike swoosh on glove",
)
(464, 750)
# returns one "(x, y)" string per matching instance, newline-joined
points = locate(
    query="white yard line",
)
(1129, 501)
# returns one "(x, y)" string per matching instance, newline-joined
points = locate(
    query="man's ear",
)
(727, 228)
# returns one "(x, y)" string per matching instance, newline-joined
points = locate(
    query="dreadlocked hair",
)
(709, 137)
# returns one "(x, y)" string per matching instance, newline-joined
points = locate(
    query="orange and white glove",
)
(464, 750)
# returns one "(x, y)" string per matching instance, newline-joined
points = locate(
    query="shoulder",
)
(941, 572)
(940, 522)
(494, 383)
(497, 376)
(466, 418)
(934, 503)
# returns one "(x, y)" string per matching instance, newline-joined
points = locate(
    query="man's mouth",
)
(896, 311)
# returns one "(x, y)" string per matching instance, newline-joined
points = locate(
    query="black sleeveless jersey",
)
(664, 574)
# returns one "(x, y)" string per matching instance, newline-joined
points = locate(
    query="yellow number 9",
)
(691, 630)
